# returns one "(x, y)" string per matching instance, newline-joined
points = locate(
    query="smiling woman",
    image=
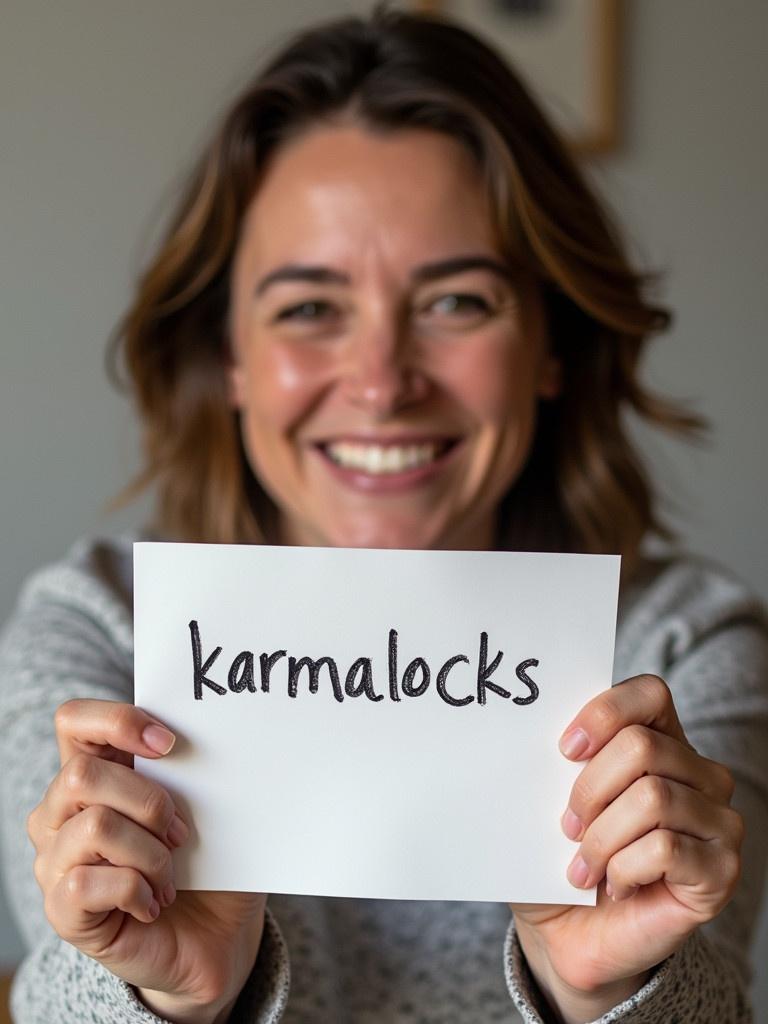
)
(412, 242)
(387, 372)
(389, 312)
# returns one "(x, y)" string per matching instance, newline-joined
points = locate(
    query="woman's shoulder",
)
(689, 585)
(92, 564)
(88, 593)
(678, 603)
(96, 572)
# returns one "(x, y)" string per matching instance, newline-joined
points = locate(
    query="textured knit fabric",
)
(366, 961)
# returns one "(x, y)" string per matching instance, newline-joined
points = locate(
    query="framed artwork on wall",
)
(566, 50)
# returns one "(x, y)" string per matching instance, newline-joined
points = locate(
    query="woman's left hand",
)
(656, 834)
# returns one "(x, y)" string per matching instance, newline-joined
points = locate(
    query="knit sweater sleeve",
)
(706, 636)
(71, 636)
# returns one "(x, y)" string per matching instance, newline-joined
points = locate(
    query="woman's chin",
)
(416, 530)
(359, 533)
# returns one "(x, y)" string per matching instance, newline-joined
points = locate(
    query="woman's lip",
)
(388, 441)
(393, 482)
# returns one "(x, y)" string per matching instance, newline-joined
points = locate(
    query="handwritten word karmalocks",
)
(339, 711)
(359, 679)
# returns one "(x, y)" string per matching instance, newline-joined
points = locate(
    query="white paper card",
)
(411, 795)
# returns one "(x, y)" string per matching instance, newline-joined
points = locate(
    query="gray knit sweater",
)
(366, 961)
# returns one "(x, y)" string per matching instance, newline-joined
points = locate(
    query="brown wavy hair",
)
(584, 487)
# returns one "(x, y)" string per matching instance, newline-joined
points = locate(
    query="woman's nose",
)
(381, 376)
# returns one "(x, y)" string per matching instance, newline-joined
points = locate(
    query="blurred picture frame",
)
(568, 53)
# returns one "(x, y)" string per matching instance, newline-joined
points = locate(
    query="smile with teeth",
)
(380, 459)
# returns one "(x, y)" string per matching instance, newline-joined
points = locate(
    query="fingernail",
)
(573, 743)
(158, 738)
(178, 832)
(168, 894)
(154, 909)
(578, 872)
(571, 824)
(608, 889)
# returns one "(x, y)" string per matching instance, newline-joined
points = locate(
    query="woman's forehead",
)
(348, 193)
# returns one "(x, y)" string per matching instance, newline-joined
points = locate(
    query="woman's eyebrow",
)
(459, 264)
(299, 272)
(420, 275)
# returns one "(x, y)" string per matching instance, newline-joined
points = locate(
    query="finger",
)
(701, 874)
(80, 905)
(650, 803)
(644, 700)
(85, 781)
(109, 729)
(634, 752)
(100, 835)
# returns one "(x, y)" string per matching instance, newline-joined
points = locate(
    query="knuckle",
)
(606, 715)
(582, 795)
(160, 863)
(38, 869)
(78, 774)
(637, 743)
(654, 793)
(655, 689)
(51, 913)
(735, 826)
(65, 715)
(615, 870)
(730, 868)
(726, 780)
(32, 824)
(158, 808)
(668, 846)
(121, 720)
(594, 847)
(76, 883)
(132, 885)
(99, 822)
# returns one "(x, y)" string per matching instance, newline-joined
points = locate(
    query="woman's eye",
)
(460, 304)
(310, 311)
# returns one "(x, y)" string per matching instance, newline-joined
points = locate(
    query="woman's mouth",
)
(386, 465)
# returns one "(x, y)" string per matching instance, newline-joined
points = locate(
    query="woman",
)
(390, 313)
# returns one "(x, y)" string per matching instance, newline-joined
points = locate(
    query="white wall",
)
(102, 105)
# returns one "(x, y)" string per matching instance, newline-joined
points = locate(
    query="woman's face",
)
(386, 365)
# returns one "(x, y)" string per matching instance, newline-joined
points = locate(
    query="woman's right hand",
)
(104, 835)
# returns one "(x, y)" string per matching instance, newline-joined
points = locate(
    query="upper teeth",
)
(376, 458)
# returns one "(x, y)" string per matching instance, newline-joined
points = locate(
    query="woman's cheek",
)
(493, 379)
(285, 383)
